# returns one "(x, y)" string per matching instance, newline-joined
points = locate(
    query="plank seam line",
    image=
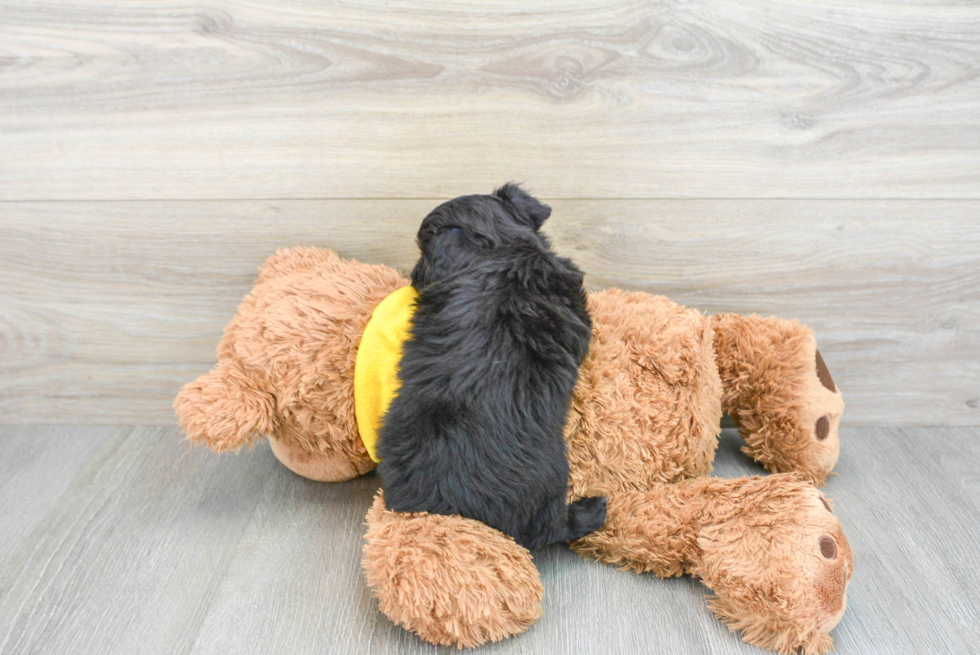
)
(441, 198)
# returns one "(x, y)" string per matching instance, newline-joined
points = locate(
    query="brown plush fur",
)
(286, 362)
(754, 541)
(649, 376)
(773, 390)
(453, 580)
(642, 429)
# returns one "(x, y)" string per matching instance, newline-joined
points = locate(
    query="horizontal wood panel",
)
(106, 308)
(796, 98)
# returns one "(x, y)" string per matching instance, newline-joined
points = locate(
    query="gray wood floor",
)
(123, 540)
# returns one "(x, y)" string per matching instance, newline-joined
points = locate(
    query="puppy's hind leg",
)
(584, 517)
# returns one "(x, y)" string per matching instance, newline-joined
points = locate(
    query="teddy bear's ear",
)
(524, 206)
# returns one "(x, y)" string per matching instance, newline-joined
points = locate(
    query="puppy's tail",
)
(224, 409)
(585, 516)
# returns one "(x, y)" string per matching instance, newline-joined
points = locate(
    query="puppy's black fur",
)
(487, 374)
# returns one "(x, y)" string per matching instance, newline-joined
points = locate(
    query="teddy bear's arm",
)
(779, 392)
(224, 409)
(769, 547)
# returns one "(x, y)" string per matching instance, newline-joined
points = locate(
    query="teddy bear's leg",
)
(450, 580)
(778, 390)
(770, 549)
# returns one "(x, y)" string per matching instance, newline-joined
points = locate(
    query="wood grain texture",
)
(146, 546)
(407, 99)
(107, 308)
(35, 471)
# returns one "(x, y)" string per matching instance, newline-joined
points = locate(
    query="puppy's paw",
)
(585, 516)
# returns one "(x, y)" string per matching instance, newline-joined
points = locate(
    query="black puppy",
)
(487, 374)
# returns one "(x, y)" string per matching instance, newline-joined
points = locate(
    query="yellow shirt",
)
(376, 380)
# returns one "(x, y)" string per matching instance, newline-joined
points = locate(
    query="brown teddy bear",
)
(642, 430)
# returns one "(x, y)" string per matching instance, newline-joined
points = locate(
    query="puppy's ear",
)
(524, 206)
(442, 254)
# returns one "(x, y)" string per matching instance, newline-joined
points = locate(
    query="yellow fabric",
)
(376, 380)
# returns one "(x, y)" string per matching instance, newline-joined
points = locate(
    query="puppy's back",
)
(487, 376)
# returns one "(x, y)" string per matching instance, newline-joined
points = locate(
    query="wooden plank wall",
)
(811, 159)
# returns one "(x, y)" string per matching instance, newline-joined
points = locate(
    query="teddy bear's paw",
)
(779, 390)
(224, 409)
(823, 405)
(779, 567)
(798, 430)
(450, 580)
